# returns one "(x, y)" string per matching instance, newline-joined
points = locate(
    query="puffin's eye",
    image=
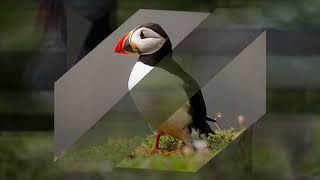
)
(142, 36)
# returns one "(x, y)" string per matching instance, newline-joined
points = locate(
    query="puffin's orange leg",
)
(155, 146)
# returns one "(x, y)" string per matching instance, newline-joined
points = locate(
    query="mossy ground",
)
(184, 159)
(136, 153)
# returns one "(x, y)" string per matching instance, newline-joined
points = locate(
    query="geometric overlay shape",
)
(94, 85)
(227, 64)
(240, 88)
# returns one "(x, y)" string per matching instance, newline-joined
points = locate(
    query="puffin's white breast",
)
(158, 95)
(138, 72)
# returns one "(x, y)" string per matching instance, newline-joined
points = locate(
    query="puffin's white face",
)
(146, 41)
(140, 40)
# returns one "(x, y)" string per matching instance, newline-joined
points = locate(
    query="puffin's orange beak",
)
(119, 47)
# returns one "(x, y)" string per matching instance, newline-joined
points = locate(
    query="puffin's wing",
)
(199, 114)
(193, 90)
(190, 85)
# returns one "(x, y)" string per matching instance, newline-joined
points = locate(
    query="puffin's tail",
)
(206, 130)
(214, 121)
(210, 119)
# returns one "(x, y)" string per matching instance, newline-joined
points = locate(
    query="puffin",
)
(153, 45)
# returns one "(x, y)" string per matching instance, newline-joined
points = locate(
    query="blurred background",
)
(284, 144)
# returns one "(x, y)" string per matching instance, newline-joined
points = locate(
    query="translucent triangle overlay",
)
(93, 105)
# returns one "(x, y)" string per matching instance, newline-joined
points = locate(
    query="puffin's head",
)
(145, 39)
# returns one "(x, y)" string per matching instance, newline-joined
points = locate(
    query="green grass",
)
(136, 153)
(185, 159)
(92, 157)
